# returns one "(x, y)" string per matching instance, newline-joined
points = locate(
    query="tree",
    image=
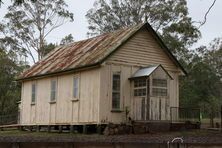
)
(214, 55)
(9, 89)
(202, 87)
(28, 24)
(168, 17)
(67, 39)
(18, 2)
(48, 48)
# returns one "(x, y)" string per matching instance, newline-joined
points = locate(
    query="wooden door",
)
(140, 108)
(159, 108)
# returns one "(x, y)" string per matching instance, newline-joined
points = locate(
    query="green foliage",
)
(26, 26)
(67, 39)
(48, 48)
(168, 17)
(203, 86)
(9, 89)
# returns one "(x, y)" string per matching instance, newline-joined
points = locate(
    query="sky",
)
(197, 9)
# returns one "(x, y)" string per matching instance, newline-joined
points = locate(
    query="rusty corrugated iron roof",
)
(88, 53)
(81, 53)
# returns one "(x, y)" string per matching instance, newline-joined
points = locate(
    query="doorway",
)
(141, 98)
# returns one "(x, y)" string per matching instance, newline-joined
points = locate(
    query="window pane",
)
(116, 100)
(116, 82)
(140, 82)
(160, 82)
(116, 91)
(75, 87)
(75, 82)
(53, 85)
(53, 96)
(140, 87)
(33, 92)
(53, 90)
(144, 92)
(136, 83)
(159, 92)
(140, 92)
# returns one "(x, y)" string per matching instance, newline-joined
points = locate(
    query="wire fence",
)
(178, 114)
(9, 119)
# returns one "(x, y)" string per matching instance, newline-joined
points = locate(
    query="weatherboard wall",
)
(127, 99)
(141, 50)
(65, 110)
(106, 113)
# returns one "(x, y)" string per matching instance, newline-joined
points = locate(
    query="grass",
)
(198, 133)
(19, 133)
(46, 134)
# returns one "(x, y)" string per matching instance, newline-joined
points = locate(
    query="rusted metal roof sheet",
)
(81, 53)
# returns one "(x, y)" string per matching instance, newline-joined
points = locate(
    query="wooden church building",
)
(110, 78)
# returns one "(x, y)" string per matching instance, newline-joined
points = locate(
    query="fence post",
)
(221, 118)
(171, 114)
(200, 115)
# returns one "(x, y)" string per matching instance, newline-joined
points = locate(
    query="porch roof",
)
(147, 71)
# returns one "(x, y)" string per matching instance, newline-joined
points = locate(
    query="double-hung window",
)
(159, 87)
(116, 85)
(53, 91)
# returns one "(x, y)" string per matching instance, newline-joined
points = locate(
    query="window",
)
(160, 82)
(53, 90)
(33, 93)
(116, 91)
(159, 87)
(140, 87)
(76, 87)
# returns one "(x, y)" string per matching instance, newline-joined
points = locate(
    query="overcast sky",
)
(197, 9)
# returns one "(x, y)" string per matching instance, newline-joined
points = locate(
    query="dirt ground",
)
(194, 136)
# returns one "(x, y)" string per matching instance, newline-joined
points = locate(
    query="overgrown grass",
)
(198, 133)
(18, 133)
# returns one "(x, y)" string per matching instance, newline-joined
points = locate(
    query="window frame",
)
(75, 98)
(35, 93)
(140, 87)
(161, 87)
(55, 91)
(118, 107)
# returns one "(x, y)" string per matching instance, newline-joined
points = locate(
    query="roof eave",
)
(76, 69)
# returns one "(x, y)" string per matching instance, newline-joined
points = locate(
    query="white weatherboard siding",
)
(64, 111)
(106, 92)
(142, 50)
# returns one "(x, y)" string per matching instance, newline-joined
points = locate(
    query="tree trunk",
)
(212, 119)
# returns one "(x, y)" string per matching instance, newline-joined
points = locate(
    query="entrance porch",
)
(151, 98)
